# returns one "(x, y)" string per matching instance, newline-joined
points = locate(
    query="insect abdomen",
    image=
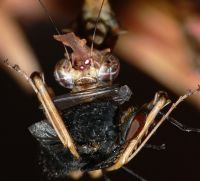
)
(94, 129)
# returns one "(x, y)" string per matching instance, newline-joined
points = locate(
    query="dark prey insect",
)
(87, 130)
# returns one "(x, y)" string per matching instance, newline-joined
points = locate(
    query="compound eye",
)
(63, 75)
(109, 69)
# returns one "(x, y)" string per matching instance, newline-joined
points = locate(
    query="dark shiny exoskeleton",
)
(94, 126)
(98, 126)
